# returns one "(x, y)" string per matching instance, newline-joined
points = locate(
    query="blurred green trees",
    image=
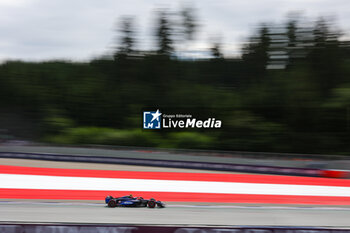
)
(288, 93)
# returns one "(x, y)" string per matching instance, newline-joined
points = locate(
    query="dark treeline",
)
(288, 92)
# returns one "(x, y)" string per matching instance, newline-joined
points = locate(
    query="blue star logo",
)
(152, 120)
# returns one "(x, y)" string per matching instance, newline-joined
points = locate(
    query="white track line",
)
(114, 184)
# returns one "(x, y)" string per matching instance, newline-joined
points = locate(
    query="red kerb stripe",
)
(243, 178)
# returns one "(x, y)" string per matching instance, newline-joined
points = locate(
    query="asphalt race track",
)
(77, 211)
(174, 214)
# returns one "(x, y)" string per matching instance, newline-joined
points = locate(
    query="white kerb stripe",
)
(87, 183)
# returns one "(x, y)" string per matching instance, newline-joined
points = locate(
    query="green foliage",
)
(135, 137)
(164, 34)
(249, 132)
(301, 107)
(126, 39)
(105, 136)
(340, 97)
(190, 140)
(54, 125)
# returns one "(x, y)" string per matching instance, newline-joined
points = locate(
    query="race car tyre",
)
(112, 203)
(151, 204)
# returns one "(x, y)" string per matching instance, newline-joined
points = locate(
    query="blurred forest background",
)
(289, 91)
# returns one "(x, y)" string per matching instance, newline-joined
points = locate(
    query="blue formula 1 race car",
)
(130, 201)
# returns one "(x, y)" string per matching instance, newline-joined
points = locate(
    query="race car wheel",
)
(151, 204)
(112, 203)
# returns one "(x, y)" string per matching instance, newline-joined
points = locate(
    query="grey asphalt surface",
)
(179, 156)
(78, 212)
(99, 166)
(192, 215)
